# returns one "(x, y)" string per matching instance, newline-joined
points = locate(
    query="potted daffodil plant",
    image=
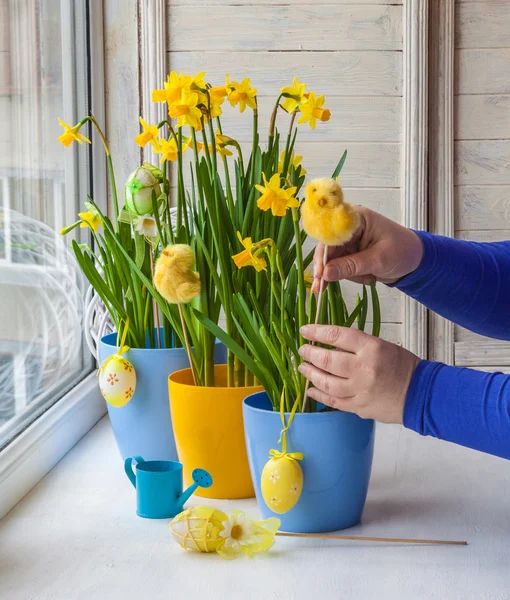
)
(230, 249)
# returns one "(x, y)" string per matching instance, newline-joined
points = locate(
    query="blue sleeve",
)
(465, 282)
(467, 407)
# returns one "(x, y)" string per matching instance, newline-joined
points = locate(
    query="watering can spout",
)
(200, 478)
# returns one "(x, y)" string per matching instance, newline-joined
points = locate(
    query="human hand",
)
(363, 374)
(380, 250)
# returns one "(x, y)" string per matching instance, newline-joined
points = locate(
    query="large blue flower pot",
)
(143, 427)
(338, 448)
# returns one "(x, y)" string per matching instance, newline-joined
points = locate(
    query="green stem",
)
(286, 157)
(301, 273)
(254, 142)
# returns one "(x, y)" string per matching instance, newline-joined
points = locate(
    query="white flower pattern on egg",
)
(294, 488)
(273, 476)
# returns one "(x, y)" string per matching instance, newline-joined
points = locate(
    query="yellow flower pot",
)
(209, 432)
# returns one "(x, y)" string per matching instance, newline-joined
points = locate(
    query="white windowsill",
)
(30, 456)
(76, 535)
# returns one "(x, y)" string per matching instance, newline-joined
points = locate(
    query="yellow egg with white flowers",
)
(117, 380)
(282, 481)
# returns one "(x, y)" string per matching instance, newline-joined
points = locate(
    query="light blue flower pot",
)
(338, 448)
(143, 427)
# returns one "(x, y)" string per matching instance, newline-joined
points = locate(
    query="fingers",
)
(344, 404)
(329, 384)
(343, 338)
(335, 362)
(354, 265)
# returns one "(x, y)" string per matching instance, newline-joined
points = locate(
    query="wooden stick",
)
(317, 315)
(155, 308)
(328, 536)
(186, 342)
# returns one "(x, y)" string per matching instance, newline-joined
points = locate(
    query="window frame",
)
(29, 456)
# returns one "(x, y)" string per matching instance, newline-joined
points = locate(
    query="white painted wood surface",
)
(76, 535)
(282, 27)
(440, 153)
(353, 118)
(347, 73)
(482, 146)
(415, 146)
(122, 87)
(153, 68)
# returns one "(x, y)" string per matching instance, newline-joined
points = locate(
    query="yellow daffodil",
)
(222, 141)
(313, 110)
(297, 93)
(149, 135)
(173, 87)
(89, 219)
(168, 149)
(70, 134)
(248, 256)
(242, 94)
(198, 81)
(185, 110)
(294, 160)
(275, 197)
(217, 97)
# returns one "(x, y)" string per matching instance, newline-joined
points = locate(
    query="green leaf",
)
(339, 166)
(376, 310)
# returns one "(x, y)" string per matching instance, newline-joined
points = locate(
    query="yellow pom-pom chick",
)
(174, 276)
(327, 217)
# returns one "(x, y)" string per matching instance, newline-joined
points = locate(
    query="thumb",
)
(352, 265)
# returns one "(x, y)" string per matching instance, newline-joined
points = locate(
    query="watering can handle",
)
(128, 467)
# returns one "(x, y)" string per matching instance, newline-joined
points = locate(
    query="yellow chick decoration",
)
(174, 276)
(281, 481)
(327, 217)
(208, 529)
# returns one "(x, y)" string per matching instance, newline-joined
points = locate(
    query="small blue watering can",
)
(158, 486)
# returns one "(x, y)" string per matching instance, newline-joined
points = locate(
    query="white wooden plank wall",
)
(349, 51)
(482, 147)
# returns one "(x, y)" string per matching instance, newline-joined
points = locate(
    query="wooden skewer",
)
(317, 315)
(186, 341)
(328, 536)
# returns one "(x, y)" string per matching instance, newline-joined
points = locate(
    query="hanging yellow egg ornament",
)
(117, 380)
(117, 376)
(282, 481)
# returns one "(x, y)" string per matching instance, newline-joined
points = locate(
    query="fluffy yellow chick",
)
(174, 276)
(326, 215)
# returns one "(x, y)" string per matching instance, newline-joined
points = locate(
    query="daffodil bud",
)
(139, 187)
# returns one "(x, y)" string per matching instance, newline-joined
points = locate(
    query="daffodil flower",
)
(89, 219)
(313, 110)
(146, 225)
(294, 160)
(242, 94)
(217, 97)
(149, 135)
(185, 110)
(294, 95)
(248, 256)
(168, 149)
(172, 88)
(241, 535)
(71, 134)
(275, 197)
(222, 141)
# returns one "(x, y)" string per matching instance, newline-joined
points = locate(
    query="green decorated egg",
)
(282, 483)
